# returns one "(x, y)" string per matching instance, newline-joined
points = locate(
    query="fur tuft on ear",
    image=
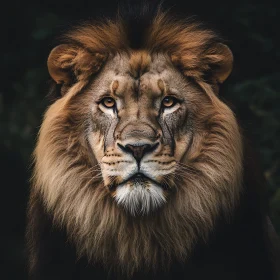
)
(69, 63)
(220, 59)
(213, 63)
(196, 51)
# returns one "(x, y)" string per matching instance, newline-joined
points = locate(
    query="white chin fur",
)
(139, 198)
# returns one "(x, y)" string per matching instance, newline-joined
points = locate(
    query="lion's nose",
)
(138, 151)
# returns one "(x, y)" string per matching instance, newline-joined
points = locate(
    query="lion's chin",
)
(140, 197)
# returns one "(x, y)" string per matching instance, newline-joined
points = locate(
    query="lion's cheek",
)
(96, 142)
(182, 145)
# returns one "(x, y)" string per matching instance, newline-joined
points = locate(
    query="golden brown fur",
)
(208, 179)
(193, 49)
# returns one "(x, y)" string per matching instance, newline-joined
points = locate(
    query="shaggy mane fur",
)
(194, 50)
(68, 179)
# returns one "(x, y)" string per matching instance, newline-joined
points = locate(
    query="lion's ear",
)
(212, 64)
(219, 59)
(69, 63)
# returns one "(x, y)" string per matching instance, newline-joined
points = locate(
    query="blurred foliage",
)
(260, 98)
(253, 88)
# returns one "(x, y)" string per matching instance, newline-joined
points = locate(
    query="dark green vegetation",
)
(29, 31)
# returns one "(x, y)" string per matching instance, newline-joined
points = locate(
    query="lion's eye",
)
(108, 102)
(169, 101)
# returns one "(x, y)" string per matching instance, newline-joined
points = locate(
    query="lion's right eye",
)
(169, 101)
(108, 102)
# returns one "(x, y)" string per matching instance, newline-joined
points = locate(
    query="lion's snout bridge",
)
(137, 130)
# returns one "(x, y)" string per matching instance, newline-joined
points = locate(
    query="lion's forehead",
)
(139, 74)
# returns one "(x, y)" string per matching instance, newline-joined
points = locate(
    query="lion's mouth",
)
(143, 180)
(137, 178)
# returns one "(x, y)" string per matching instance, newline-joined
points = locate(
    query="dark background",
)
(28, 34)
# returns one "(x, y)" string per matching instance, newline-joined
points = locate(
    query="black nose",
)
(138, 151)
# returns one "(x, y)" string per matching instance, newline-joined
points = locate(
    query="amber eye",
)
(169, 101)
(108, 102)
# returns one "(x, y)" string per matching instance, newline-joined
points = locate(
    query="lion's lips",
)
(140, 178)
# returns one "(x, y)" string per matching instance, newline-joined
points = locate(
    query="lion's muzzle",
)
(135, 169)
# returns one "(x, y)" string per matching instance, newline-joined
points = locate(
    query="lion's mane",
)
(67, 178)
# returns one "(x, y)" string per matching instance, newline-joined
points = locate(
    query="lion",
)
(139, 166)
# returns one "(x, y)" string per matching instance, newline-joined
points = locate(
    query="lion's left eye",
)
(169, 101)
(108, 102)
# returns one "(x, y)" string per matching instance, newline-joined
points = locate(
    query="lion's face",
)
(140, 128)
(139, 156)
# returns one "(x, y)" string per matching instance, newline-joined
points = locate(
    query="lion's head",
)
(139, 156)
